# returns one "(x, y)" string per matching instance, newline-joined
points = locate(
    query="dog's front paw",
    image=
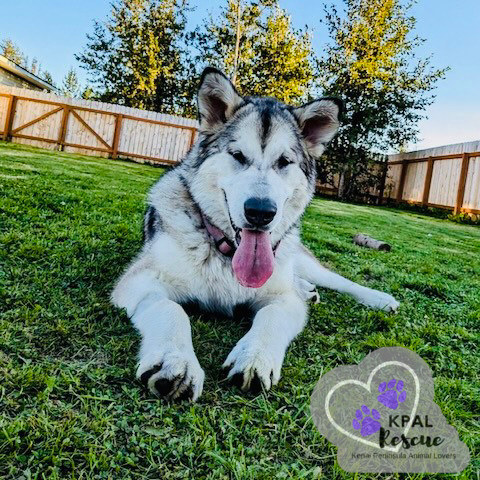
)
(380, 300)
(254, 364)
(172, 373)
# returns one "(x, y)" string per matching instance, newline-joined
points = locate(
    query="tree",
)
(46, 75)
(13, 52)
(371, 64)
(227, 42)
(255, 44)
(71, 85)
(35, 67)
(88, 94)
(283, 61)
(135, 57)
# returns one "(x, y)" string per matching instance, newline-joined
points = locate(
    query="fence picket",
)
(144, 136)
(450, 178)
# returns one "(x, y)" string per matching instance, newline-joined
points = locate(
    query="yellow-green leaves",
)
(274, 59)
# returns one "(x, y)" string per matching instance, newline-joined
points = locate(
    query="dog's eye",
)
(283, 162)
(239, 157)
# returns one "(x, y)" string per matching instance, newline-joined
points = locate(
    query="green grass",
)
(69, 404)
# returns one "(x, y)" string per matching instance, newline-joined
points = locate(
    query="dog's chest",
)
(193, 271)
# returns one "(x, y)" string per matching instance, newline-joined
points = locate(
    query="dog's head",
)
(254, 167)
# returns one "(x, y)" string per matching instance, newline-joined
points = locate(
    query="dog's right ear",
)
(217, 99)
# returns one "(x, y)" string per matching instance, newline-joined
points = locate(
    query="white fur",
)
(167, 341)
(173, 276)
(262, 349)
(310, 270)
(180, 262)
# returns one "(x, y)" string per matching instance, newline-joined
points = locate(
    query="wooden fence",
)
(93, 128)
(443, 177)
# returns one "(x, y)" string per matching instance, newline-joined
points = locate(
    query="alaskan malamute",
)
(222, 229)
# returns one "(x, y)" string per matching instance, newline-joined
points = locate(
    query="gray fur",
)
(180, 263)
(152, 223)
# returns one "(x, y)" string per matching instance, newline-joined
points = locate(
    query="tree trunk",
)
(237, 42)
(341, 185)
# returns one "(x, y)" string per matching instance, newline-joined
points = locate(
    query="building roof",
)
(25, 74)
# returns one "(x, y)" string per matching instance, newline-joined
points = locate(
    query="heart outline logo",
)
(367, 386)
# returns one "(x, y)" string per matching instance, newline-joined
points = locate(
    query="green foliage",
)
(88, 94)
(273, 58)
(47, 76)
(135, 57)
(465, 218)
(69, 403)
(415, 208)
(143, 57)
(372, 64)
(14, 53)
(71, 85)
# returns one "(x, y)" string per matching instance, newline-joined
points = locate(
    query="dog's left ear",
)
(319, 122)
(217, 99)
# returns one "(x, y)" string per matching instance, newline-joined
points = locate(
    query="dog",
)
(222, 229)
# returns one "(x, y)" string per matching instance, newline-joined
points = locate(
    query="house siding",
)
(9, 79)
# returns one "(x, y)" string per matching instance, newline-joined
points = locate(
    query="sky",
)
(54, 30)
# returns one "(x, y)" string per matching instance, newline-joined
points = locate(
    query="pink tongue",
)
(253, 259)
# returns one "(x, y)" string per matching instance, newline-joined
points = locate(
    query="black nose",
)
(260, 211)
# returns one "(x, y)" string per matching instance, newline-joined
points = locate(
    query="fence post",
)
(192, 138)
(428, 182)
(9, 120)
(401, 183)
(63, 128)
(382, 183)
(116, 136)
(461, 183)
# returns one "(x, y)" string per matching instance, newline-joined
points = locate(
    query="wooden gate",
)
(111, 130)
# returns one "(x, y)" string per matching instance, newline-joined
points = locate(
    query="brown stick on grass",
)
(369, 242)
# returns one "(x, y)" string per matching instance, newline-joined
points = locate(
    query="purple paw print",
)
(366, 421)
(392, 393)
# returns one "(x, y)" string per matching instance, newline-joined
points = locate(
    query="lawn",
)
(70, 405)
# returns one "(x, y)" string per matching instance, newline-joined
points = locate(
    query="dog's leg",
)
(307, 268)
(257, 358)
(168, 365)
